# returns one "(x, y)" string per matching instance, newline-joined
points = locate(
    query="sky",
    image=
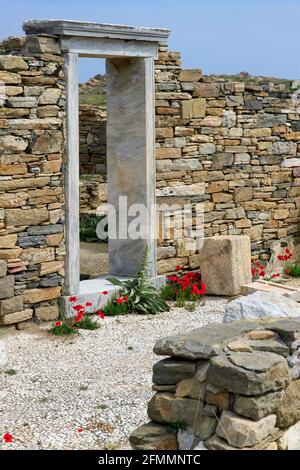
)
(218, 36)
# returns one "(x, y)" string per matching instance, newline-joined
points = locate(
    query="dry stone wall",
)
(226, 387)
(32, 115)
(240, 138)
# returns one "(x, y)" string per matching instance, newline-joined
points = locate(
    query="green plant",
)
(88, 227)
(292, 269)
(141, 296)
(176, 426)
(87, 323)
(61, 329)
(114, 308)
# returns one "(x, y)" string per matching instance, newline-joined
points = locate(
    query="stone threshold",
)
(91, 290)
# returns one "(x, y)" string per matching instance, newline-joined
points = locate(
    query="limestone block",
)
(290, 439)
(8, 201)
(19, 217)
(12, 62)
(206, 90)
(38, 255)
(194, 108)
(212, 121)
(14, 304)
(10, 78)
(241, 432)
(258, 407)
(171, 371)
(44, 142)
(33, 296)
(165, 408)
(8, 241)
(3, 268)
(288, 413)
(50, 96)
(12, 143)
(42, 45)
(7, 287)
(261, 304)
(16, 317)
(47, 313)
(190, 75)
(246, 373)
(225, 264)
(153, 436)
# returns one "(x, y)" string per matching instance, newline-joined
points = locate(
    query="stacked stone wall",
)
(226, 387)
(32, 116)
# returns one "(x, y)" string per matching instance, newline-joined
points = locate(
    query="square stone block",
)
(225, 264)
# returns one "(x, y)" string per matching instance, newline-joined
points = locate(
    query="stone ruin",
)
(231, 143)
(226, 387)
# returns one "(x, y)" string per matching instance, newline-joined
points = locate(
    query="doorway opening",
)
(92, 169)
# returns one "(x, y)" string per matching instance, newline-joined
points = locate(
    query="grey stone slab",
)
(170, 371)
(45, 229)
(204, 342)
(98, 30)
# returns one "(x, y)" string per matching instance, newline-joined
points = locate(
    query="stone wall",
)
(92, 135)
(237, 137)
(226, 387)
(32, 114)
(231, 142)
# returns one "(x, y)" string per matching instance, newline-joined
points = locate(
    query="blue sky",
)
(218, 36)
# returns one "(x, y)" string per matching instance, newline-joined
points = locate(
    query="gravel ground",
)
(99, 381)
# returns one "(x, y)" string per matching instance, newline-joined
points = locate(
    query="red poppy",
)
(254, 271)
(79, 429)
(78, 307)
(105, 292)
(276, 275)
(125, 299)
(280, 257)
(101, 314)
(119, 300)
(79, 316)
(287, 270)
(178, 268)
(262, 274)
(7, 437)
(58, 323)
(73, 298)
(88, 304)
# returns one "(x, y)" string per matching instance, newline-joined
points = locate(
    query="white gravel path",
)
(99, 380)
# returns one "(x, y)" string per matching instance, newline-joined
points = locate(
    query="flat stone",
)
(261, 334)
(257, 407)
(234, 252)
(16, 317)
(38, 255)
(290, 439)
(20, 217)
(44, 142)
(260, 305)
(166, 408)
(3, 268)
(249, 373)
(14, 304)
(190, 75)
(47, 313)
(10, 78)
(153, 436)
(288, 330)
(12, 143)
(191, 388)
(204, 342)
(8, 241)
(7, 287)
(219, 398)
(28, 241)
(50, 96)
(33, 296)
(12, 62)
(194, 108)
(170, 371)
(45, 229)
(217, 443)
(239, 345)
(270, 345)
(241, 432)
(288, 413)
(22, 102)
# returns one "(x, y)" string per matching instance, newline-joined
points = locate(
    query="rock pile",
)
(226, 387)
